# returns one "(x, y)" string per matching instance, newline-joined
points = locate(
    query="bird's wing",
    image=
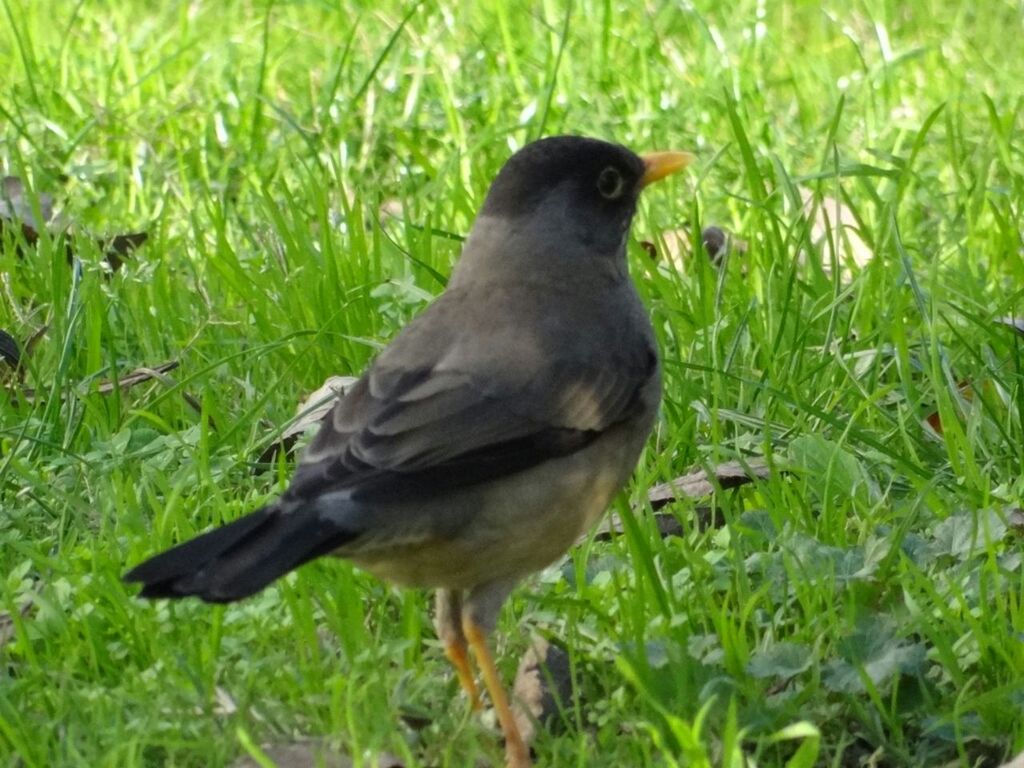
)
(421, 428)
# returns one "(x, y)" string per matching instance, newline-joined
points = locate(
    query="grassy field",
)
(860, 606)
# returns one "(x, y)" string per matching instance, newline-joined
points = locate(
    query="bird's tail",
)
(240, 558)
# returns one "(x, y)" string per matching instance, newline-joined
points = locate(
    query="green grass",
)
(864, 603)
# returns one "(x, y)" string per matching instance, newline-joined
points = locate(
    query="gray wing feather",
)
(432, 403)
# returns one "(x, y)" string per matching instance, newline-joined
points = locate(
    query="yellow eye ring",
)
(610, 183)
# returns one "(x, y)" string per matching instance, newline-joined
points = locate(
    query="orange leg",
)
(517, 755)
(455, 650)
(448, 620)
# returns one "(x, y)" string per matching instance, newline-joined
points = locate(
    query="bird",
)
(494, 429)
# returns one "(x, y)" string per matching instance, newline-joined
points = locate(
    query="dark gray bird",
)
(495, 428)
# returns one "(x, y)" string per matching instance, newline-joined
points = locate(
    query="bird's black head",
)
(585, 188)
(595, 176)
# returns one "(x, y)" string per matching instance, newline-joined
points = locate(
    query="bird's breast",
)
(514, 526)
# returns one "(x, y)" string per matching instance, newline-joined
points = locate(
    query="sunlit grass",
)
(864, 601)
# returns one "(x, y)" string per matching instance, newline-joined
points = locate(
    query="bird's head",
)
(571, 187)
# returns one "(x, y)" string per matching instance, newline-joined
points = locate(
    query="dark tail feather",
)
(240, 558)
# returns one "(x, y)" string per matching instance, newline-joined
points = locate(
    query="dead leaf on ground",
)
(117, 248)
(312, 754)
(965, 390)
(677, 245)
(700, 483)
(695, 485)
(666, 523)
(542, 688)
(16, 208)
(835, 232)
(16, 212)
(1017, 762)
(7, 622)
(310, 413)
(138, 376)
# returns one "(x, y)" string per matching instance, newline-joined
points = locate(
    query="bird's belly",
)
(513, 526)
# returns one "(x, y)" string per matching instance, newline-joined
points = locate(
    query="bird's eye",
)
(610, 183)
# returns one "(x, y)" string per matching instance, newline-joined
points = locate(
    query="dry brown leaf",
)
(699, 484)
(7, 622)
(16, 211)
(310, 412)
(542, 688)
(320, 402)
(834, 231)
(666, 523)
(119, 247)
(966, 392)
(159, 373)
(138, 376)
(695, 485)
(677, 245)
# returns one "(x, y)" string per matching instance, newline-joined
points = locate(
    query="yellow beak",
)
(658, 165)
